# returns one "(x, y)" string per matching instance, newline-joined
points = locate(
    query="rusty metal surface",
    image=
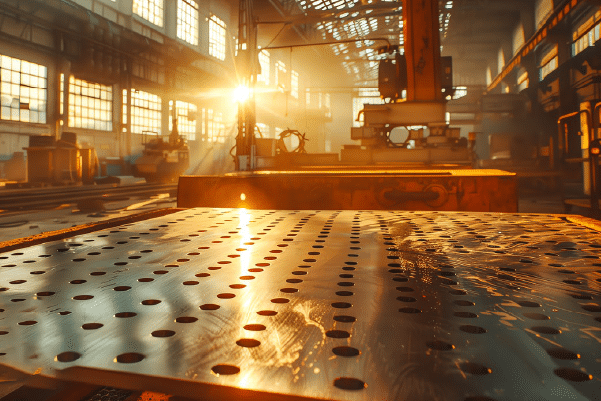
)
(450, 190)
(337, 305)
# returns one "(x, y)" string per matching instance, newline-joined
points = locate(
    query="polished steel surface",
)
(337, 305)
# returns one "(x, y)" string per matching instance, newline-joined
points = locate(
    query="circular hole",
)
(83, 297)
(77, 281)
(406, 299)
(528, 304)
(163, 333)
(410, 310)
(225, 369)
(151, 302)
(338, 334)
(474, 368)
(254, 327)
(91, 326)
(280, 300)
(248, 342)
(468, 315)
(562, 353)
(130, 357)
(346, 351)
(349, 383)
(122, 288)
(440, 345)
(125, 314)
(267, 313)
(226, 295)
(209, 307)
(592, 308)
(572, 375)
(582, 296)
(68, 356)
(145, 279)
(299, 273)
(237, 286)
(345, 319)
(536, 316)
(546, 330)
(472, 329)
(186, 319)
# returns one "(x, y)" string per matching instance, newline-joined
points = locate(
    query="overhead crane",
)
(325, 296)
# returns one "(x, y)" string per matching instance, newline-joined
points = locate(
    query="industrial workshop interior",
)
(300, 200)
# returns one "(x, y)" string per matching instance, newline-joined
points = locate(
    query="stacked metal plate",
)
(339, 305)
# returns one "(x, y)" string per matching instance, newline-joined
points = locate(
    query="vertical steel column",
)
(422, 50)
(247, 65)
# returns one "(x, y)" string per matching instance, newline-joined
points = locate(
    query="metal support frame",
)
(593, 158)
(247, 64)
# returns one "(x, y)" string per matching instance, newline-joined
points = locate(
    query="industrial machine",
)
(51, 161)
(163, 161)
(392, 177)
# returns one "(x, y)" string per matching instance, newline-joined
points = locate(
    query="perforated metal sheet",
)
(339, 305)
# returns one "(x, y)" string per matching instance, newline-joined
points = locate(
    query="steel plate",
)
(337, 305)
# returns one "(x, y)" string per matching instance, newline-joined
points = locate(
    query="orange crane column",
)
(422, 50)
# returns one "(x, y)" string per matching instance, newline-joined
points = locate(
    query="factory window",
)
(587, 34)
(264, 62)
(186, 119)
(215, 126)
(294, 84)
(90, 105)
(187, 21)
(145, 112)
(217, 37)
(280, 74)
(150, 10)
(23, 89)
(548, 63)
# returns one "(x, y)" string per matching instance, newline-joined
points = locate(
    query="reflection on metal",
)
(451, 190)
(337, 305)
